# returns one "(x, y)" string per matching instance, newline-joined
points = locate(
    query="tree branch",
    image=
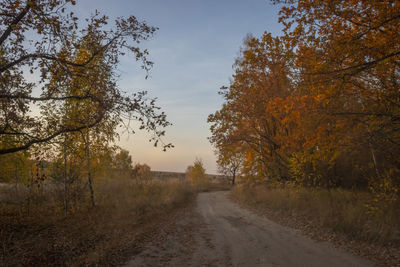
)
(8, 31)
(48, 138)
(54, 58)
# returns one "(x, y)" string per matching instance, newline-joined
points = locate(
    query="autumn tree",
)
(123, 163)
(77, 95)
(196, 173)
(254, 115)
(318, 106)
(230, 162)
(55, 54)
(82, 144)
(348, 60)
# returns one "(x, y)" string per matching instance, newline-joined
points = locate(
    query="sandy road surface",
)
(219, 233)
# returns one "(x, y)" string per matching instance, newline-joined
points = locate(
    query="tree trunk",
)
(16, 177)
(88, 168)
(374, 161)
(66, 191)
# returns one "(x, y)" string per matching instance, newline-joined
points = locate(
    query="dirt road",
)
(220, 233)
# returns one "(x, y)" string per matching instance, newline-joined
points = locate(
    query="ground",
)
(220, 233)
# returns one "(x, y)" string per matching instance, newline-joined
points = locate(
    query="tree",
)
(230, 163)
(123, 163)
(254, 115)
(196, 173)
(318, 106)
(142, 172)
(56, 55)
(348, 59)
(13, 168)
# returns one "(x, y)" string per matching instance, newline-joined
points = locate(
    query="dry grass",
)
(106, 234)
(212, 185)
(338, 210)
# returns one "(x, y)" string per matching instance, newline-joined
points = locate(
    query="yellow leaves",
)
(83, 55)
(196, 174)
(250, 155)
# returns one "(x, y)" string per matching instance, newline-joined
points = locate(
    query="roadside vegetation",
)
(351, 220)
(338, 210)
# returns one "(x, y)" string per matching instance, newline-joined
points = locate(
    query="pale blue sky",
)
(193, 52)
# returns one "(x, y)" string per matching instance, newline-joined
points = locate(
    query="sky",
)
(193, 52)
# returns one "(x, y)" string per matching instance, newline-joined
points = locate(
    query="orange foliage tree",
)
(255, 114)
(320, 105)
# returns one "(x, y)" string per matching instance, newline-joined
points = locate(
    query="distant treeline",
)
(181, 175)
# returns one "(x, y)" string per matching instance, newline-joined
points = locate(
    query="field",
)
(125, 213)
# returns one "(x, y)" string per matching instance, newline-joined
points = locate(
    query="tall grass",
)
(339, 210)
(124, 212)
